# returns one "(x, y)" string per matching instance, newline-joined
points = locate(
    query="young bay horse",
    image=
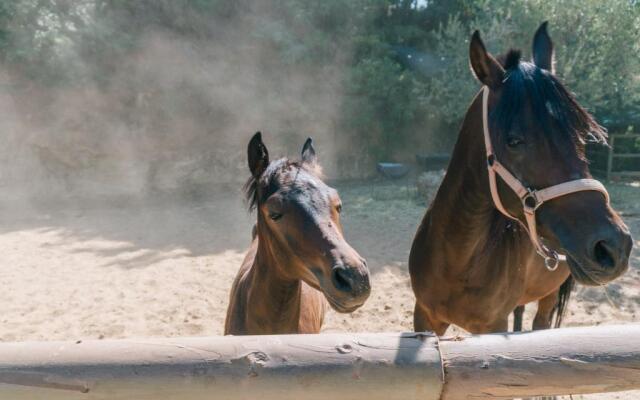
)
(299, 256)
(517, 193)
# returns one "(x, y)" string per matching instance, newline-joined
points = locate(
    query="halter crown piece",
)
(531, 199)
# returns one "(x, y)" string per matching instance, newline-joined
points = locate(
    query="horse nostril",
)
(342, 279)
(603, 255)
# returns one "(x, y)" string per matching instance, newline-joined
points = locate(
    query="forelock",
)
(552, 105)
(258, 190)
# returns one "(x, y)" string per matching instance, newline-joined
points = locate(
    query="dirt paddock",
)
(163, 266)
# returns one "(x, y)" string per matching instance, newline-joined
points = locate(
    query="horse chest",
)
(479, 295)
(312, 310)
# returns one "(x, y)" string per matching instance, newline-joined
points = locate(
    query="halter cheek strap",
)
(531, 199)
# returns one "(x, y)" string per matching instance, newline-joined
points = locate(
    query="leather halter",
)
(531, 199)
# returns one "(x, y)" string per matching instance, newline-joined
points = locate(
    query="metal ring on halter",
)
(551, 262)
(530, 202)
(491, 159)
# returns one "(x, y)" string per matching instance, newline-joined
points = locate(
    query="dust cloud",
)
(172, 113)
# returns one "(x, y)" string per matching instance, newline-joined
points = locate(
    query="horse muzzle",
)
(350, 287)
(605, 258)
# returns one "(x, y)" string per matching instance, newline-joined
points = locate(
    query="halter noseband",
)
(531, 199)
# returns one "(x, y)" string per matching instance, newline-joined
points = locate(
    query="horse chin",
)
(324, 286)
(340, 307)
(580, 274)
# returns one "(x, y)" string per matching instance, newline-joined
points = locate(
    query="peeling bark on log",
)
(542, 363)
(327, 366)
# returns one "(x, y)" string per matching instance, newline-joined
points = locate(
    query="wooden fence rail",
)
(608, 170)
(326, 366)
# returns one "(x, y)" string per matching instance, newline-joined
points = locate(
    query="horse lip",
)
(579, 273)
(577, 269)
(339, 307)
(333, 302)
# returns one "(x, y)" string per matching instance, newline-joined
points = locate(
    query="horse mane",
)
(250, 190)
(511, 59)
(257, 190)
(552, 104)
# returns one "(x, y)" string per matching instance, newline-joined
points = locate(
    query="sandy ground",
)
(114, 268)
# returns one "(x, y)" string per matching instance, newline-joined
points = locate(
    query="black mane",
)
(511, 59)
(552, 104)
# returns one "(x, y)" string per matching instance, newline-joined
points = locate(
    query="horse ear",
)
(485, 68)
(309, 153)
(258, 155)
(543, 48)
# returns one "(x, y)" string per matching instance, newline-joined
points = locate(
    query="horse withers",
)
(517, 217)
(299, 256)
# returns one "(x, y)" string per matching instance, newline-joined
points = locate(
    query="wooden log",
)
(327, 367)
(543, 363)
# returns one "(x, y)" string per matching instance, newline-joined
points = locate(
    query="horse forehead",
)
(529, 120)
(302, 186)
(542, 124)
(536, 109)
(532, 120)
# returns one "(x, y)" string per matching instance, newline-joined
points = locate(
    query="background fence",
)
(619, 160)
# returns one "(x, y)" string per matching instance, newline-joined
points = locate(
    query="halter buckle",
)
(491, 159)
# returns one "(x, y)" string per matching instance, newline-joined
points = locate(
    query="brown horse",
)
(298, 253)
(471, 265)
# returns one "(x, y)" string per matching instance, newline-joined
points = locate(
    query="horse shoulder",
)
(237, 309)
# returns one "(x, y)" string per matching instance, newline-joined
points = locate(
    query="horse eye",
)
(514, 142)
(275, 216)
(339, 208)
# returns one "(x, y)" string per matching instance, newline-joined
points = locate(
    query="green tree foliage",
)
(407, 82)
(597, 46)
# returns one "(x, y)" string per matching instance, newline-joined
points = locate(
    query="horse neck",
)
(463, 209)
(274, 298)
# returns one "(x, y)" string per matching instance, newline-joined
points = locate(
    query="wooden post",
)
(610, 158)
